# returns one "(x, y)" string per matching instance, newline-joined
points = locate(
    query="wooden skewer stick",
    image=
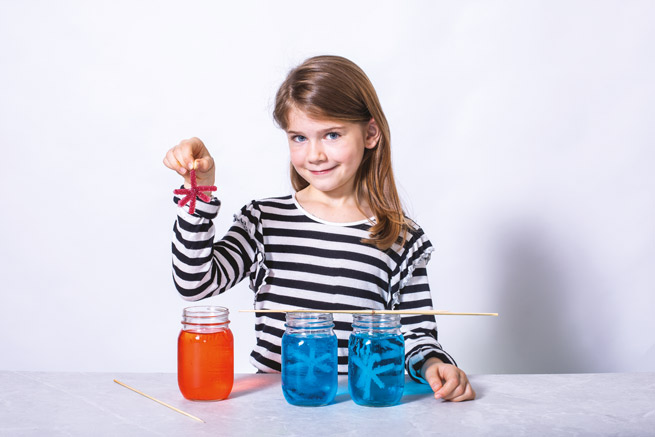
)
(427, 312)
(158, 401)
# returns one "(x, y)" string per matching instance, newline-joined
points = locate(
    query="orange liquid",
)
(205, 364)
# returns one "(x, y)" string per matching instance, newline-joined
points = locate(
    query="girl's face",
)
(327, 153)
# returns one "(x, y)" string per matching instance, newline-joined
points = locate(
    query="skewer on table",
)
(160, 402)
(426, 312)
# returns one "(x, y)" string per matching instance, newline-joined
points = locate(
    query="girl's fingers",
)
(448, 390)
(184, 157)
(188, 155)
(204, 164)
(467, 394)
(189, 151)
(457, 388)
(447, 381)
(171, 162)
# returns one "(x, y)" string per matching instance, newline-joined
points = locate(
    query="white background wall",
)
(523, 143)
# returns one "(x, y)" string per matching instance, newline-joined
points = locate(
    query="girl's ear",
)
(372, 134)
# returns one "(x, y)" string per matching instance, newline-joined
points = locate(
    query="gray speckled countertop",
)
(64, 404)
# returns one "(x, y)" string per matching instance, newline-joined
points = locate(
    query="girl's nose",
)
(316, 153)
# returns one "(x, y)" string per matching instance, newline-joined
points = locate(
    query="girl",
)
(341, 241)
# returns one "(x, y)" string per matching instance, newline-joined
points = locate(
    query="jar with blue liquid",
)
(309, 359)
(376, 360)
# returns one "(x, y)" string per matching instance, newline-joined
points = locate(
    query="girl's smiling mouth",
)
(321, 172)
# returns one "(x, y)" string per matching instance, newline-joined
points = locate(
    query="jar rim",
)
(306, 315)
(206, 311)
(376, 321)
(307, 320)
(207, 315)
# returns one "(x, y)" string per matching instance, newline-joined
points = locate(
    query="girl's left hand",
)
(447, 381)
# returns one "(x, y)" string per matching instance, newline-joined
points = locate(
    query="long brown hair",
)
(335, 88)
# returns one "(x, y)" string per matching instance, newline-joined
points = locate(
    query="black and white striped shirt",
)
(296, 260)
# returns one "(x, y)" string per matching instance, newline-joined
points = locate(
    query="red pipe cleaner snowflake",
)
(193, 192)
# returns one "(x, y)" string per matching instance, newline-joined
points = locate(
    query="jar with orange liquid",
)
(205, 354)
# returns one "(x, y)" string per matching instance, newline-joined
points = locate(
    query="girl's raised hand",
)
(448, 382)
(190, 154)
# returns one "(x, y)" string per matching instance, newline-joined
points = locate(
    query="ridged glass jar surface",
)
(205, 354)
(309, 359)
(376, 357)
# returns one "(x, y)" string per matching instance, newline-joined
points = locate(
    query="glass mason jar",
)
(309, 359)
(205, 354)
(376, 357)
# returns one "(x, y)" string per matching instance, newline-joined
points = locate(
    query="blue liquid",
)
(309, 369)
(376, 373)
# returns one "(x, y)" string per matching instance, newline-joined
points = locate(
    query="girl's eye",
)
(298, 138)
(332, 136)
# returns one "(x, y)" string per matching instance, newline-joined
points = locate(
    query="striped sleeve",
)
(249, 220)
(202, 267)
(419, 331)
